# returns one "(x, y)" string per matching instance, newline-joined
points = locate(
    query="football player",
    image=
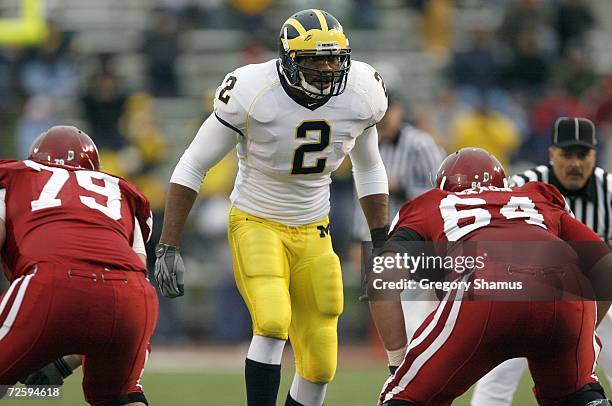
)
(292, 121)
(73, 247)
(463, 339)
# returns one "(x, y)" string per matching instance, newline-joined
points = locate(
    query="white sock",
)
(307, 393)
(266, 350)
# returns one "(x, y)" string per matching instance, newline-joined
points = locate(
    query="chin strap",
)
(314, 92)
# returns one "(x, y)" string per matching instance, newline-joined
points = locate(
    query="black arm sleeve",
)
(407, 241)
(399, 241)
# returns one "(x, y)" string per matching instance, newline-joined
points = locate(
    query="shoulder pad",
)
(7, 161)
(550, 192)
(239, 89)
(8, 167)
(415, 211)
(364, 80)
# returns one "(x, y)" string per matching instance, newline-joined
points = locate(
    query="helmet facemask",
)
(302, 77)
(308, 35)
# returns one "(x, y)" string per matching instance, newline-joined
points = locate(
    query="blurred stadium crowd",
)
(139, 77)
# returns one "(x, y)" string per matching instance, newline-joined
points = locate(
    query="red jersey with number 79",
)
(70, 216)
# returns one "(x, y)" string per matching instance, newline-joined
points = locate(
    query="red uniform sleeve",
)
(5, 172)
(417, 215)
(142, 210)
(145, 219)
(552, 194)
(589, 247)
(573, 230)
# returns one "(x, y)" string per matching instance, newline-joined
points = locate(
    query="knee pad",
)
(129, 398)
(261, 253)
(318, 354)
(589, 395)
(326, 278)
(271, 318)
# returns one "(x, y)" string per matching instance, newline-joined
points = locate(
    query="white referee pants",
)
(498, 386)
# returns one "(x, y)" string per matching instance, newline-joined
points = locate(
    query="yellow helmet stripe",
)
(297, 25)
(322, 20)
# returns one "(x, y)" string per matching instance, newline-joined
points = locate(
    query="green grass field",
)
(355, 387)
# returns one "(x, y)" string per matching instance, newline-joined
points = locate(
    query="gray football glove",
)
(169, 270)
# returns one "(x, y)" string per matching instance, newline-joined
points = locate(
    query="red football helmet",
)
(468, 168)
(65, 145)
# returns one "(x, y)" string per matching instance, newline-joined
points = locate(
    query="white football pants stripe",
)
(12, 315)
(144, 365)
(433, 348)
(419, 339)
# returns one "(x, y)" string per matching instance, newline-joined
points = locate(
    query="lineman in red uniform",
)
(72, 242)
(462, 340)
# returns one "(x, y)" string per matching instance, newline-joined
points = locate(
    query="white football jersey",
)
(288, 150)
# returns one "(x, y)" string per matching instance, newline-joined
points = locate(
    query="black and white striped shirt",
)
(591, 205)
(412, 158)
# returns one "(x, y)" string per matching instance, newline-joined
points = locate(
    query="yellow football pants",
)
(290, 279)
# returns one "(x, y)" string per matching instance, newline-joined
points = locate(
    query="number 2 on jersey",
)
(59, 177)
(229, 85)
(517, 207)
(324, 130)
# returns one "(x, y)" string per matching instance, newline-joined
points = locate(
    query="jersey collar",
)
(304, 102)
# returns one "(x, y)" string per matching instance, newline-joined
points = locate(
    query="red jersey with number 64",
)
(533, 212)
(71, 216)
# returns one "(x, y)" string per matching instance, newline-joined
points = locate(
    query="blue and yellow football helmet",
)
(314, 33)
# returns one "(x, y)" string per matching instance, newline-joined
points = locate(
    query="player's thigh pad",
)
(326, 280)
(318, 302)
(261, 272)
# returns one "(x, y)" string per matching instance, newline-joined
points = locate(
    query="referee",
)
(588, 191)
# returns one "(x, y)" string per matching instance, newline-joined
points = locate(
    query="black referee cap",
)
(571, 131)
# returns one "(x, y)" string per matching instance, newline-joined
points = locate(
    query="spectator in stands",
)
(253, 51)
(603, 120)
(50, 68)
(103, 105)
(556, 103)
(364, 14)
(526, 15)
(485, 128)
(475, 71)
(250, 15)
(529, 70)
(437, 27)
(196, 14)
(141, 129)
(574, 19)
(38, 116)
(161, 48)
(8, 98)
(574, 72)
(6, 81)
